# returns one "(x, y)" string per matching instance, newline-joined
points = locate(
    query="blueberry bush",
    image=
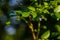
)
(29, 19)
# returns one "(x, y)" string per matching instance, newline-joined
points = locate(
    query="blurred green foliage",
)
(49, 12)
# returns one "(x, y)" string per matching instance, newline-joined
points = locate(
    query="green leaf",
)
(35, 30)
(36, 4)
(57, 0)
(45, 3)
(53, 15)
(19, 11)
(57, 19)
(31, 8)
(25, 14)
(34, 14)
(54, 34)
(44, 27)
(43, 17)
(8, 22)
(57, 27)
(58, 37)
(40, 10)
(57, 15)
(45, 35)
(45, 11)
(57, 9)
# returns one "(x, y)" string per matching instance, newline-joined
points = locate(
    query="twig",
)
(38, 29)
(31, 27)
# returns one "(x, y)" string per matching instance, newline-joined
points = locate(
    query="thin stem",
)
(38, 29)
(31, 27)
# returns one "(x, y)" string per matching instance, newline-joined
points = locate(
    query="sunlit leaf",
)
(57, 9)
(57, 0)
(8, 22)
(45, 11)
(25, 14)
(44, 27)
(57, 19)
(45, 35)
(19, 11)
(45, 3)
(34, 14)
(31, 8)
(40, 10)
